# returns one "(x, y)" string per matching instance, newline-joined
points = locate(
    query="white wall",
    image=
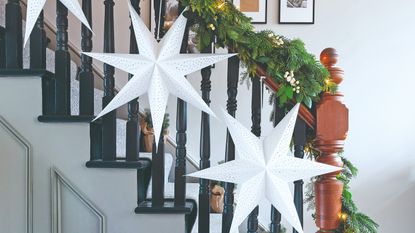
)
(374, 40)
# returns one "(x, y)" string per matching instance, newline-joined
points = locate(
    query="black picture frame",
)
(296, 22)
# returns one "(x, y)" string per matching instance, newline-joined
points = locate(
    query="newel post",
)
(332, 118)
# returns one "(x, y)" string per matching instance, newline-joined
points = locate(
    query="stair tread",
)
(146, 207)
(66, 119)
(192, 192)
(120, 163)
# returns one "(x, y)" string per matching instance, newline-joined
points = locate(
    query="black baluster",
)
(109, 120)
(62, 62)
(204, 190)
(255, 129)
(157, 173)
(275, 226)
(86, 77)
(233, 76)
(95, 135)
(181, 138)
(13, 39)
(299, 143)
(38, 45)
(133, 126)
(159, 11)
(180, 168)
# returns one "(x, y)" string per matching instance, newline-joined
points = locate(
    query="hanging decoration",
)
(34, 7)
(159, 69)
(263, 169)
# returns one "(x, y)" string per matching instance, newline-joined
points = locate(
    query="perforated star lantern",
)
(159, 69)
(263, 169)
(34, 7)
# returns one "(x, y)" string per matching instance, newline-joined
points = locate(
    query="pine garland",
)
(352, 220)
(300, 75)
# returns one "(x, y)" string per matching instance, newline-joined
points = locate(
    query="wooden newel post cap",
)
(328, 58)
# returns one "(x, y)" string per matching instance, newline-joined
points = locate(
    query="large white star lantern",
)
(158, 69)
(263, 169)
(34, 7)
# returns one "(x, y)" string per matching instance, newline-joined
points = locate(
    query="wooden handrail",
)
(304, 113)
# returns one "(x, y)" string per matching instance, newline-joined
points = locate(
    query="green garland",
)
(300, 76)
(351, 220)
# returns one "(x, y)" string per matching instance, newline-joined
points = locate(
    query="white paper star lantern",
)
(159, 69)
(263, 169)
(34, 7)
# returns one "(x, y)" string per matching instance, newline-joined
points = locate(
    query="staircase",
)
(91, 177)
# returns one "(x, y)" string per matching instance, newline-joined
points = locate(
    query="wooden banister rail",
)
(331, 131)
(304, 113)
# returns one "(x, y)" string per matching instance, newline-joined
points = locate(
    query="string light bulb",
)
(343, 216)
(220, 6)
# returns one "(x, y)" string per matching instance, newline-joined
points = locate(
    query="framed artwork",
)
(256, 9)
(296, 11)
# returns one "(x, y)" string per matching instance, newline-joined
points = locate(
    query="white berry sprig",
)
(289, 76)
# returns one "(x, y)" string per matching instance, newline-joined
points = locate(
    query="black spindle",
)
(157, 174)
(133, 126)
(109, 120)
(159, 11)
(181, 138)
(38, 45)
(95, 132)
(86, 77)
(233, 76)
(255, 129)
(299, 143)
(180, 168)
(204, 192)
(275, 226)
(13, 39)
(62, 62)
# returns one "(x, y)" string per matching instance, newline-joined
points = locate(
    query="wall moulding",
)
(4, 124)
(58, 182)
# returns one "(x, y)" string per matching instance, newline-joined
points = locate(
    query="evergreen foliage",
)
(352, 220)
(276, 54)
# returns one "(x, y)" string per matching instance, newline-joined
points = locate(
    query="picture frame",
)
(255, 9)
(296, 11)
